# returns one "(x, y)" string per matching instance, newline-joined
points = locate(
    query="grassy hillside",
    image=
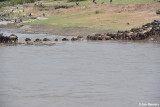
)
(120, 15)
(92, 21)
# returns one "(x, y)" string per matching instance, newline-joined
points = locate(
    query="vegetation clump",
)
(4, 3)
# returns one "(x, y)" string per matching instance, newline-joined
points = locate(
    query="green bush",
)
(4, 3)
(14, 2)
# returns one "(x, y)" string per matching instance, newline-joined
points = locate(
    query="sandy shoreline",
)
(76, 31)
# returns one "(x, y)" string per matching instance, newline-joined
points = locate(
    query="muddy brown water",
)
(79, 74)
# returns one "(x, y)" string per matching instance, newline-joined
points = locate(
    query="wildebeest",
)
(37, 40)
(27, 39)
(4, 38)
(13, 38)
(56, 39)
(99, 37)
(46, 39)
(64, 39)
(1, 38)
(74, 39)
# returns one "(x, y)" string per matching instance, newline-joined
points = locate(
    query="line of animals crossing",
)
(147, 30)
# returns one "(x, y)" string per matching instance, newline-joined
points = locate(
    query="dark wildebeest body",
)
(27, 39)
(64, 39)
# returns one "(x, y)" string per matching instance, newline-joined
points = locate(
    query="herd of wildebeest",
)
(141, 33)
(147, 30)
(8, 39)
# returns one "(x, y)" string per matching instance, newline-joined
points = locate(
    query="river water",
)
(79, 74)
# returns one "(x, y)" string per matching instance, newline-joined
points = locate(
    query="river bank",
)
(149, 32)
(83, 19)
(93, 21)
(76, 31)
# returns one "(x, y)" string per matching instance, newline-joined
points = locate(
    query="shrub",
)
(4, 3)
(14, 2)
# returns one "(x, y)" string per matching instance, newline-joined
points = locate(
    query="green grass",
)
(3, 4)
(87, 21)
(94, 20)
